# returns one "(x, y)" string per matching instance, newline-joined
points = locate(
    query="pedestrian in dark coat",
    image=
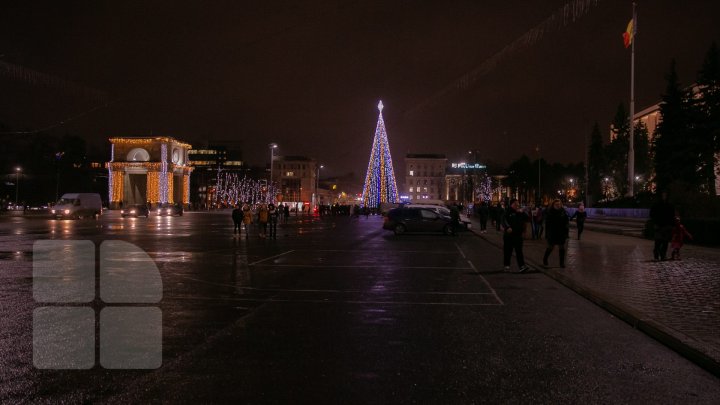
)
(273, 220)
(557, 231)
(484, 212)
(581, 216)
(662, 214)
(513, 224)
(499, 214)
(237, 216)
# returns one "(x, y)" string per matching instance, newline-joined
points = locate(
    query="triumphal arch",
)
(151, 170)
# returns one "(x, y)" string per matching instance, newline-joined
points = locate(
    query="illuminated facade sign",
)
(467, 166)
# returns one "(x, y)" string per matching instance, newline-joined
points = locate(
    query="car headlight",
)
(67, 211)
(132, 211)
(169, 211)
(122, 211)
(53, 211)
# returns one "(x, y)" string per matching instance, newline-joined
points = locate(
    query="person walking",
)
(499, 215)
(557, 231)
(286, 214)
(581, 216)
(272, 220)
(678, 236)
(513, 224)
(455, 219)
(237, 216)
(662, 214)
(484, 213)
(247, 218)
(263, 217)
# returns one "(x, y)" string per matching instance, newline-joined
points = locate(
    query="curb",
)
(679, 342)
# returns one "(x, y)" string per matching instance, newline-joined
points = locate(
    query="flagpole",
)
(631, 141)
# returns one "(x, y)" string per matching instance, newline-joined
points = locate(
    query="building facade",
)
(424, 177)
(151, 170)
(296, 178)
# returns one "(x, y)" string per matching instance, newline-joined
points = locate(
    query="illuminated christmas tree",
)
(380, 183)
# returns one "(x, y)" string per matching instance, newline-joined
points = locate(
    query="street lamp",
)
(537, 149)
(17, 184)
(317, 185)
(272, 146)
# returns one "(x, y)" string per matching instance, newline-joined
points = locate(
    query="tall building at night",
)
(380, 185)
(425, 176)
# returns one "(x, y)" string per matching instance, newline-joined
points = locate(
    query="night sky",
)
(308, 75)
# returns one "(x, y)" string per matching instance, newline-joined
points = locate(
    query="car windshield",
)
(66, 201)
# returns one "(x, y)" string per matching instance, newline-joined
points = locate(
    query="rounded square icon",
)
(131, 337)
(64, 271)
(128, 274)
(64, 338)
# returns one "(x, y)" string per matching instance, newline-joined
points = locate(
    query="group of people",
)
(266, 216)
(669, 230)
(556, 225)
(555, 222)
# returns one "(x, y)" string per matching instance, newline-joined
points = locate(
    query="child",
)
(678, 235)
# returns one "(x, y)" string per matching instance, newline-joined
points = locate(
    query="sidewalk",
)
(675, 302)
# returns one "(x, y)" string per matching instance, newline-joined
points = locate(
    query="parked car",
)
(444, 210)
(138, 210)
(411, 218)
(170, 210)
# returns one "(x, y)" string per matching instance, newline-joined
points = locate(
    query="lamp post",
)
(17, 184)
(537, 149)
(272, 146)
(317, 186)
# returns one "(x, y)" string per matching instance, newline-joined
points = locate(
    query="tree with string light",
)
(380, 186)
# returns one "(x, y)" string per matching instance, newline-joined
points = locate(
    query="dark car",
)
(417, 219)
(170, 210)
(138, 210)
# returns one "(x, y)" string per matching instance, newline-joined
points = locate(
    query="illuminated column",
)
(153, 186)
(163, 178)
(170, 185)
(186, 188)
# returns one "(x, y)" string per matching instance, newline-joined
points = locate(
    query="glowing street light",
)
(317, 185)
(17, 184)
(272, 146)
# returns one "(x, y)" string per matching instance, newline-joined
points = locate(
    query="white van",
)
(78, 205)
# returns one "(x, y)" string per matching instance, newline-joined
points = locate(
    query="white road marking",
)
(271, 257)
(480, 275)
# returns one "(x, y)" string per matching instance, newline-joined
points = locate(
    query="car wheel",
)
(447, 230)
(399, 229)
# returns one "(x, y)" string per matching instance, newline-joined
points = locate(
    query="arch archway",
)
(138, 155)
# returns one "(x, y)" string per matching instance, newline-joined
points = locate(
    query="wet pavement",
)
(339, 311)
(677, 302)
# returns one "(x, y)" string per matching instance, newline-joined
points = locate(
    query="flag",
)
(629, 33)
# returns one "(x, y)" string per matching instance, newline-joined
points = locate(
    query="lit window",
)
(412, 172)
(289, 174)
(411, 189)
